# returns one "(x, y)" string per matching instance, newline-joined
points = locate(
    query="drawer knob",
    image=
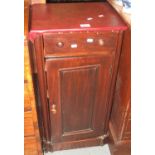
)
(60, 44)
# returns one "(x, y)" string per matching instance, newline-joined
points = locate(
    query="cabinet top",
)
(57, 17)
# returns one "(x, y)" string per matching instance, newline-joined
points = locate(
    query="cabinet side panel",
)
(121, 101)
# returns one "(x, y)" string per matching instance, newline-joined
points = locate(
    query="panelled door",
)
(78, 89)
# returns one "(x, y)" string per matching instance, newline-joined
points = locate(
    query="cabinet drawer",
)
(79, 43)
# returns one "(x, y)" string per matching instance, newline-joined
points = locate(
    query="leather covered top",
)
(56, 17)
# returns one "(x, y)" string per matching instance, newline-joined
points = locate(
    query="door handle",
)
(53, 109)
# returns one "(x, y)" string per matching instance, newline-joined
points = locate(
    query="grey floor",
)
(98, 150)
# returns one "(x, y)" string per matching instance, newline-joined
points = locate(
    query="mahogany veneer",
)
(75, 52)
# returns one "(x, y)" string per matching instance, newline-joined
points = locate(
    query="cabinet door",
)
(78, 88)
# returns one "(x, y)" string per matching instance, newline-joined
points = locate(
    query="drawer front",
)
(79, 43)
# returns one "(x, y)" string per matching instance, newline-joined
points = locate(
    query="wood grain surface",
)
(75, 85)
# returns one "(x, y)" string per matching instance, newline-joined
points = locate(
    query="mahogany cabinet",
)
(75, 53)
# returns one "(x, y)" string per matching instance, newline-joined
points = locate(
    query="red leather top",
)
(92, 16)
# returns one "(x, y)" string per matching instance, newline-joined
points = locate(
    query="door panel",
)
(78, 89)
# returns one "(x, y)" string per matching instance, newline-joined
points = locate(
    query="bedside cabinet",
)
(75, 52)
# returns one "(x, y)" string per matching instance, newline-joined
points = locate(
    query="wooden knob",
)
(60, 44)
